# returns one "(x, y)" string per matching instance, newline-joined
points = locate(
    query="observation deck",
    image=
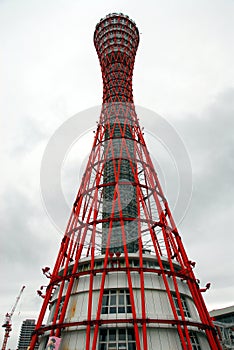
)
(116, 40)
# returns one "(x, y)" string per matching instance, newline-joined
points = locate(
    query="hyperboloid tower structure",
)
(122, 278)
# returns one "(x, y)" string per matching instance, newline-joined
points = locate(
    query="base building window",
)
(116, 339)
(194, 341)
(116, 302)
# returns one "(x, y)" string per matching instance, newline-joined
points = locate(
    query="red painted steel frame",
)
(116, 40)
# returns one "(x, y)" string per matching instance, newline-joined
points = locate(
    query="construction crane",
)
(7, 324)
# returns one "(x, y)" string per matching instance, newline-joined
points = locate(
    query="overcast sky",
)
(49, 72)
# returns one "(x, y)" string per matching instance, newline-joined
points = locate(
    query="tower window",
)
(116, 301)
(117, 339)
(184, 305)
(194, 341)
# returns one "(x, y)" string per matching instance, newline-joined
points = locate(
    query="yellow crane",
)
(7, 324)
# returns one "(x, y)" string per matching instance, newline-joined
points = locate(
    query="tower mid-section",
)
(116, 39)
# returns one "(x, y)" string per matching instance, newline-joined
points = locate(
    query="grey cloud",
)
(210, 141)
(207, 228)
(27, 133)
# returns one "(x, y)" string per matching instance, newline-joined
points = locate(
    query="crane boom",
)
(7, 325)
(17, 300)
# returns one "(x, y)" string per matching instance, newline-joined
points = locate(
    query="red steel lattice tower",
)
(122, 278)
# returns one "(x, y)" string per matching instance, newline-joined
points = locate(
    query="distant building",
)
(224, 322)
(27, 328)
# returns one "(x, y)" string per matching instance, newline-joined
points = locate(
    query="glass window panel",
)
(105, 300)
(129, 309)
(113, 300)
(113, 310)
(122, 334)
(105, 310)
(176, 302)
(103, 334)
(102, 347)
(128, 299)
(131, 335)
(121, 299)
(112, 334)
(121, 309)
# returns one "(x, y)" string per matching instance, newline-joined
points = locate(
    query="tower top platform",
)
(116, 40)
(111, 18)
(119, 29)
